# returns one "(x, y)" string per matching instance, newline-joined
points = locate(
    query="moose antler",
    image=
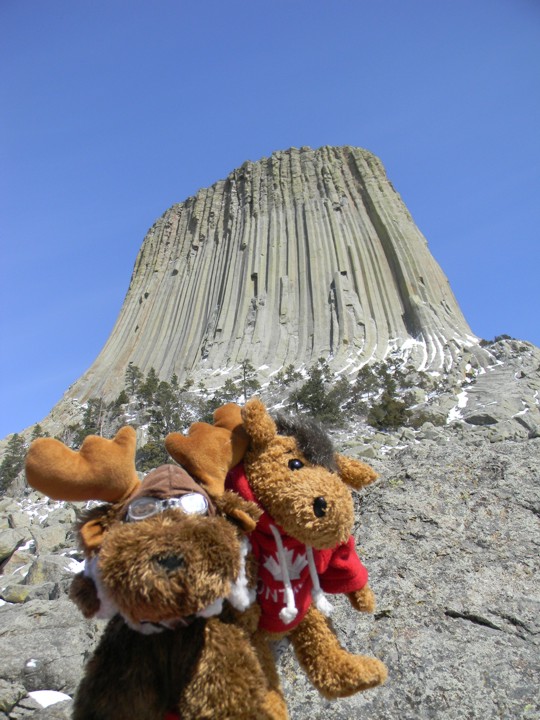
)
(101, 470)
(208, 452)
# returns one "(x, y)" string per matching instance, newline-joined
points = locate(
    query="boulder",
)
(10, 540)
(43, 645)
(51, 568)
(51, 538)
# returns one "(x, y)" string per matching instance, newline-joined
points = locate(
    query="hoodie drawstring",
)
(290, 611)
(321, 601)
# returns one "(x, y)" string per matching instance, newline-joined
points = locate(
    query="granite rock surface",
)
(450, 534)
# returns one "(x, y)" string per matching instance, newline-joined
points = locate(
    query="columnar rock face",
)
(304, 254)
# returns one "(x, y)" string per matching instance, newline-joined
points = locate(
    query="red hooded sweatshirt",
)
(339, 570)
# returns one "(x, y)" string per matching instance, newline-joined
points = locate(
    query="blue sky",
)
(113, 110)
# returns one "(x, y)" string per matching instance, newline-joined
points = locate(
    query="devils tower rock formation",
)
(304, 254)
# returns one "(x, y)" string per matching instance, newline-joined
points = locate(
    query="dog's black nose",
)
(319, 507)
(170, 563)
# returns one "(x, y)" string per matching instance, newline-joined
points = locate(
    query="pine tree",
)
(366, 382)
(133, 379)
(188, 384)
(13, 461)
(388, 413)
(122, 399)
(250, 384)
(319, 395)
(38, 432)
(164, 412)
(94, 418)
(151, 455)
(149, 386)
(287, 376)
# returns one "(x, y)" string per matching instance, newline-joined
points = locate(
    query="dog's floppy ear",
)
(354, 473)
(243, 513)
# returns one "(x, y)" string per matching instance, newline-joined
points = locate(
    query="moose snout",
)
(319, 507)
(169, 563)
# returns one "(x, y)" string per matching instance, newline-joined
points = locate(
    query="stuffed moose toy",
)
(302, 542)
(166, 562)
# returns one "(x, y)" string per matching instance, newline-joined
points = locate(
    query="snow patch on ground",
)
(40, 510)
(75, 566)
(455, 412)
(525, 410)
(29, 544)
(48, 697)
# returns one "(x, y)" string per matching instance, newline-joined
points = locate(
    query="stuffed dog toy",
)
(166, 563)
(302, 542)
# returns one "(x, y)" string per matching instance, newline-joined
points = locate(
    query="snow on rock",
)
(48, 697)
(75, 566)
(455, 412)
(39, 510)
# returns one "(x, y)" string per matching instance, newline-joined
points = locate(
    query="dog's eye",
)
(296, 464)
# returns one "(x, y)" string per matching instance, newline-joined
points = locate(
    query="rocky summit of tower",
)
(301, 255)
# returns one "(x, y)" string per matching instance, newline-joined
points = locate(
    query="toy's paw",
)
(363, 600)
(84, 594)
(274, 706)
(350, 674)
(373, 672)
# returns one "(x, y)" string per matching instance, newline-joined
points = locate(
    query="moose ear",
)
(243, 513)
(258, 424)
(354, 473)
(92, 533)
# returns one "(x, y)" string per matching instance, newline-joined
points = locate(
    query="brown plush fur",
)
(333, 671)
(161, 570)
(208, 665)
(287, 495)
(206, 668)
(206, 548)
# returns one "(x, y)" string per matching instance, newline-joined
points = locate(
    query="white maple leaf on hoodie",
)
(295, 565)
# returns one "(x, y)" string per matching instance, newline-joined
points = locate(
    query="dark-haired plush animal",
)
(166, 563)
(302, 541)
